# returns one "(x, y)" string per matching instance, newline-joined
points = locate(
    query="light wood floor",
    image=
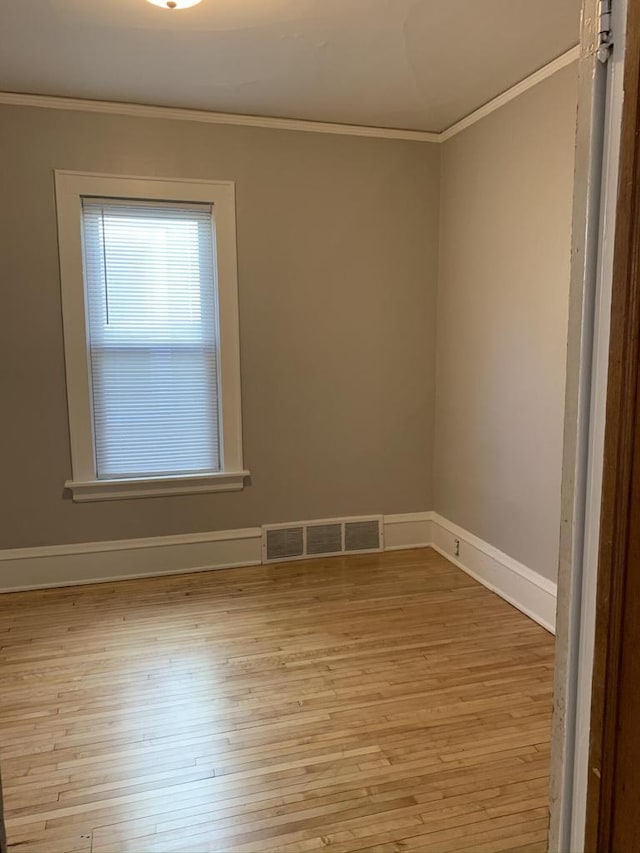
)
(384, 702)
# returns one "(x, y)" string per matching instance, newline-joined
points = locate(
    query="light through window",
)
(152, 337)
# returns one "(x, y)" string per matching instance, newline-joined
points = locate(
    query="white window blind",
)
(150, 278)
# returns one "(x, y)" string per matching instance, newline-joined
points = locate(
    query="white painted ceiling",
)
(413, 64)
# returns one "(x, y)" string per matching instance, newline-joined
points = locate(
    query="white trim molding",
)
(209, 117)
(71, 189)
(408, 530)
(527, 590)
(98, 562)
(509, 95)
(150, 487)
(121, 559)
(124, 559)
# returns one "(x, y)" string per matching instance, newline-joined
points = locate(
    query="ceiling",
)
(410, 64)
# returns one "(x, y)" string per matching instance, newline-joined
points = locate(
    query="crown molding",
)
(177, 113)
(528, 83)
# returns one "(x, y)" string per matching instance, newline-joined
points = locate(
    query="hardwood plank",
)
(373, 702)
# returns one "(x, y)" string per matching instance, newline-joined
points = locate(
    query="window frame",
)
(71, 187)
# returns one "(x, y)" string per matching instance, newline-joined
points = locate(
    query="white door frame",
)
(600, 97)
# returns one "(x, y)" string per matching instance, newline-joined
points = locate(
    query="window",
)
(150, 315)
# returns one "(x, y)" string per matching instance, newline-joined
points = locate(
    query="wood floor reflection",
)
(376, 702)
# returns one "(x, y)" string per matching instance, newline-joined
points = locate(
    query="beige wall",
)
(338, 265)
(337, 251)
(506, 194)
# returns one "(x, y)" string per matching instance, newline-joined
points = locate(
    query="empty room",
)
(287, 388)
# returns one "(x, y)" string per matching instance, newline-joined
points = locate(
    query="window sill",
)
(150, 487)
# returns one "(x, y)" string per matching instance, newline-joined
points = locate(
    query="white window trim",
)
(70, 187)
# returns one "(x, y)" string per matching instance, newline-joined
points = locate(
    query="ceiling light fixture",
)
(174, 4)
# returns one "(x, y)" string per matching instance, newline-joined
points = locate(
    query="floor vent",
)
(324, 539)
(362, 535)
(282, 542)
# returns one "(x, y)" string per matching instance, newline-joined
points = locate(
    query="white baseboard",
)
(410, 530)
(527, 590)
(97, 562)
(100, 562)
